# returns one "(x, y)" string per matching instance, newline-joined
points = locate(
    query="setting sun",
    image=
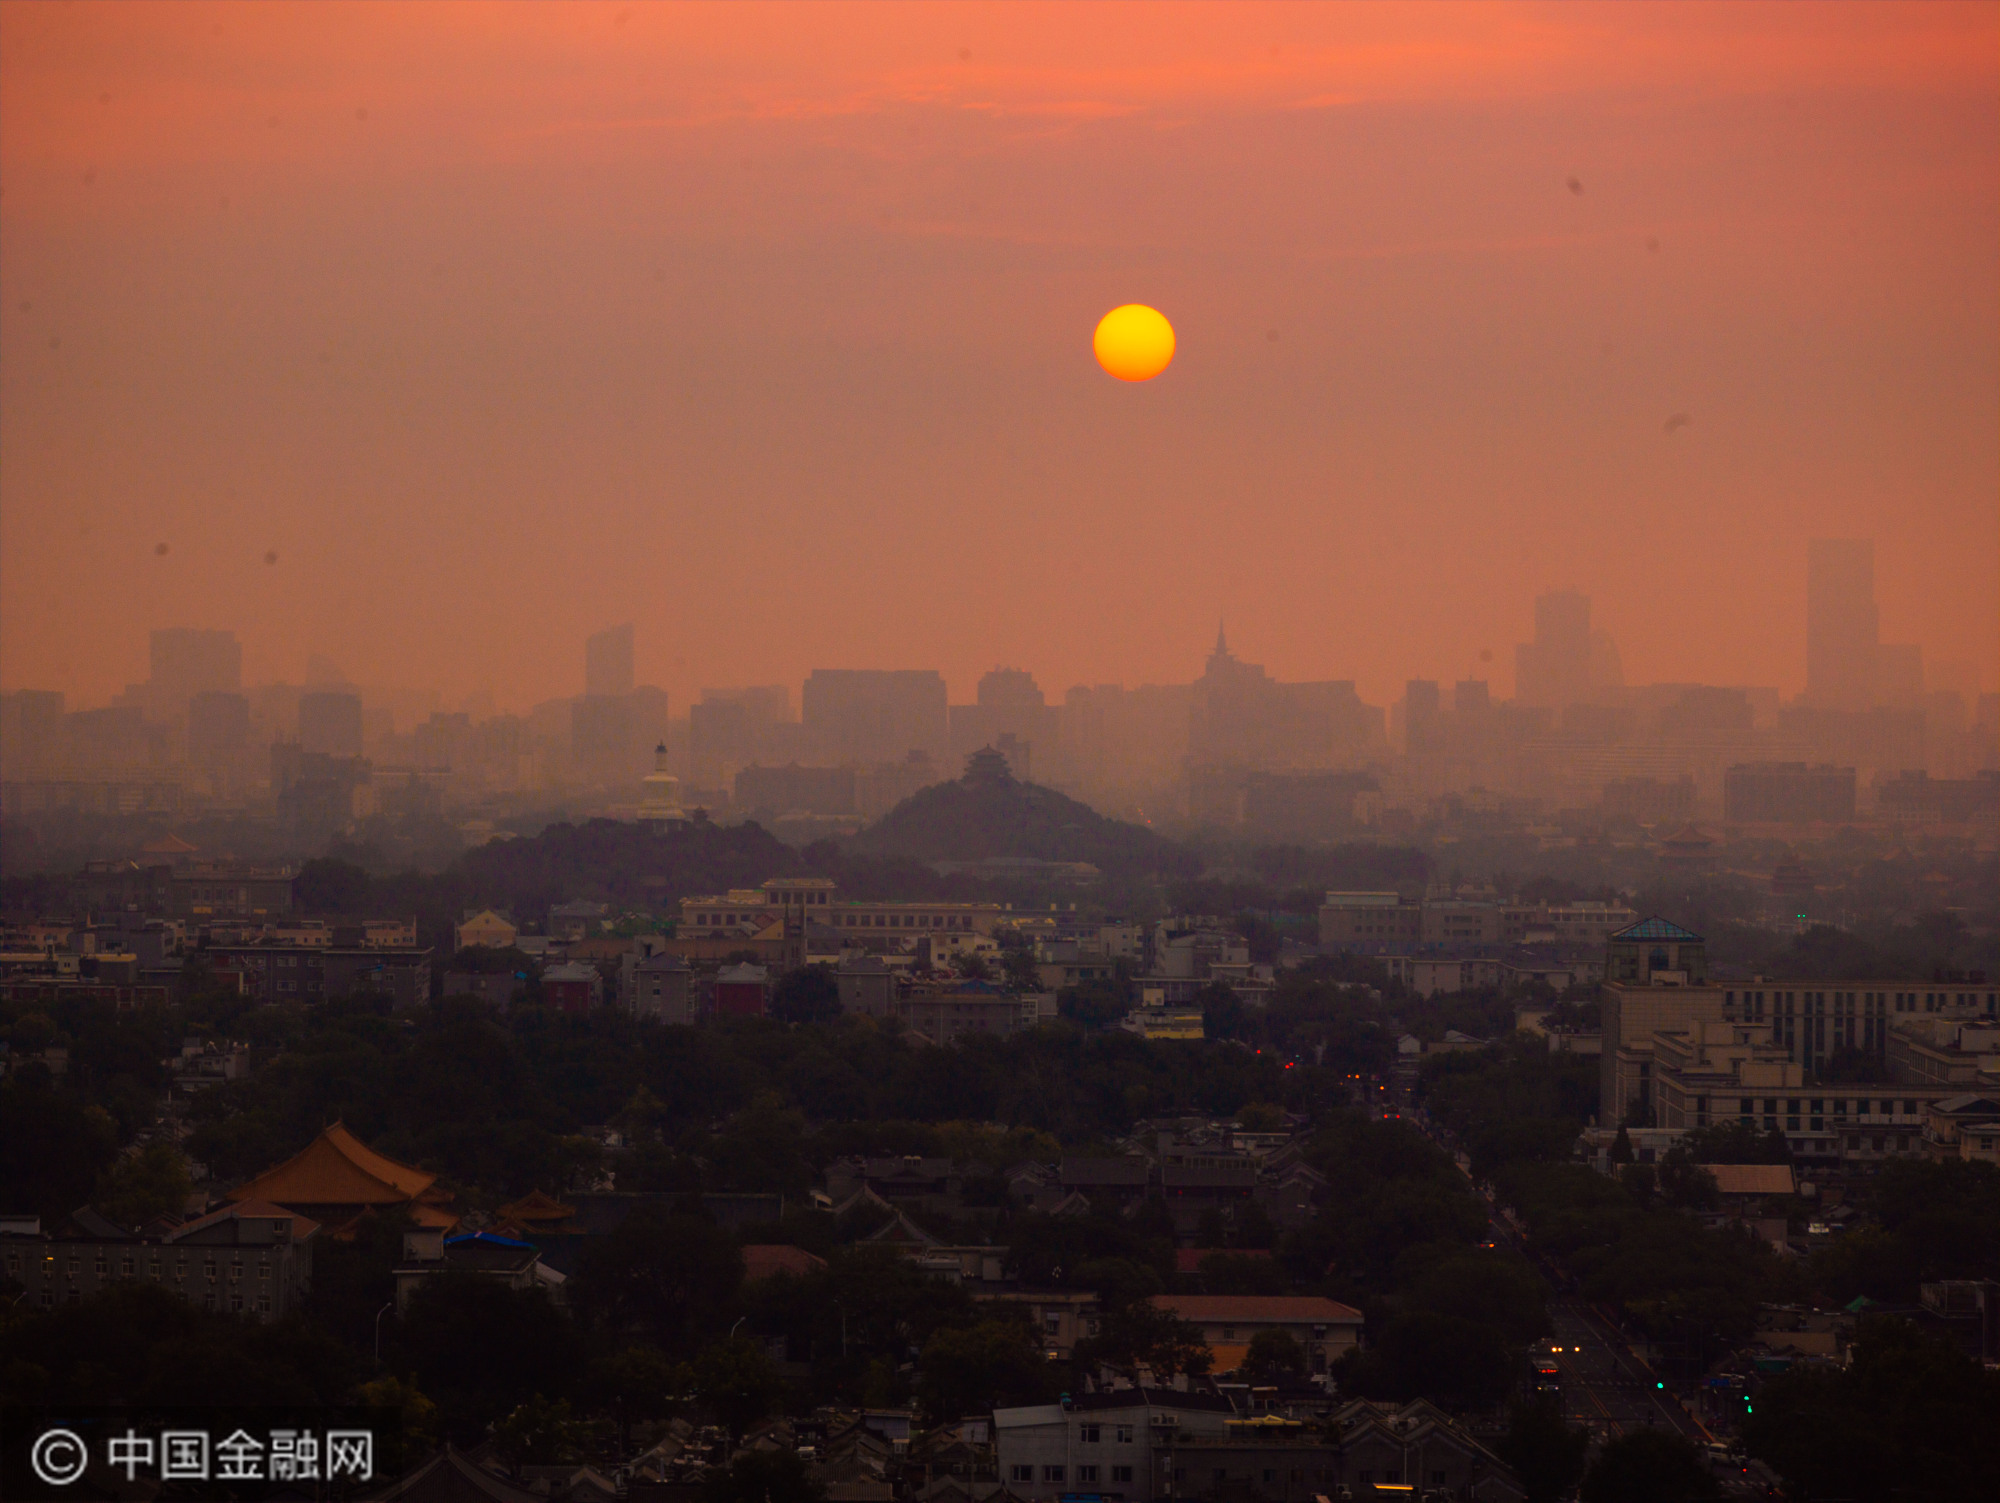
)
(1134, 343)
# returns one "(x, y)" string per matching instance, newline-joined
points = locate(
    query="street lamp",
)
(378, 1330)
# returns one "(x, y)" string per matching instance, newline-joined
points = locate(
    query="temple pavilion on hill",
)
(337, 1179)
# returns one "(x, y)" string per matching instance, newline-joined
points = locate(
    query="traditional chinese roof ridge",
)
(763, 1259)
(1405, 1424)
(534, 1206)
(1251, 1308)
(900, 1229)
(337, 1168)
(1657, 928)
(451, 1477)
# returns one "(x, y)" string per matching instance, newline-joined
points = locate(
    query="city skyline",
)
(775, 340)
(1595, 661)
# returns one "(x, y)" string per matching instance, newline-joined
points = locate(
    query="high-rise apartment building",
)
(218, 726)
(607, 662)
(32, 733)
(874, 714)
(1241, 717)
(330, 722)
(1010, 706)
(187, 661)
(605, 738)
(1788, 793)
(1554, 669)
(1843, 627)
(1423, 707)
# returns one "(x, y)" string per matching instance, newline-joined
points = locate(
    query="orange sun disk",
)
(1134, 343)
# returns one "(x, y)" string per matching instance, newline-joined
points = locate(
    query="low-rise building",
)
(573, 987)
(1159, 1019)
(946, 1014)
(742, 991)
(506, 1260)
(316, 973)
(1944, 1050)
(232, 889)
(1702, 1073)
(487, 928)
(867, 985)
(1365, 1450)
(497, 989)
(1061, 1317)
(252, 1259)
(1325, 1329)
(1588, 924)
(750, 910)
(1370, 921)
(45, 992)
(660, 987)
(1965, 1126)
(1109, 1183)
(940, 951)
(1105, 1445)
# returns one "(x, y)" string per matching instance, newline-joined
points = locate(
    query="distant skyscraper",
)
(1422, 705)
(1554, 669)
(330, 722)
(1843, 628)
(1899, 674)
(874, 714)
(1010, 704)
(605, 737)
(607, 662)
(188, 661)
(31, 733)
(218, 726)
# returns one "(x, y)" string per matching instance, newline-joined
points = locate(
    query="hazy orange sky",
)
(768, 328)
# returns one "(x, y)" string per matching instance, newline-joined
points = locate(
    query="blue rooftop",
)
(1657, 928)
(485, 1239)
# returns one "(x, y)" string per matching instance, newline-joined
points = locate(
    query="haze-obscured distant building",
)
(32, 733)
(875, 714)
(187, 661)
(604, 737)
(1554, 669)
(1843, 627)
(218, 726)
(729, 729)
(1011, 714)
(1240, 717)
(330, 723)
(1791, 793)
(607, 662)
(795, 789)
(1650, 801)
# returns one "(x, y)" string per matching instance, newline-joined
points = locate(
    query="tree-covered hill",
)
(989, 813)
(626, 866)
